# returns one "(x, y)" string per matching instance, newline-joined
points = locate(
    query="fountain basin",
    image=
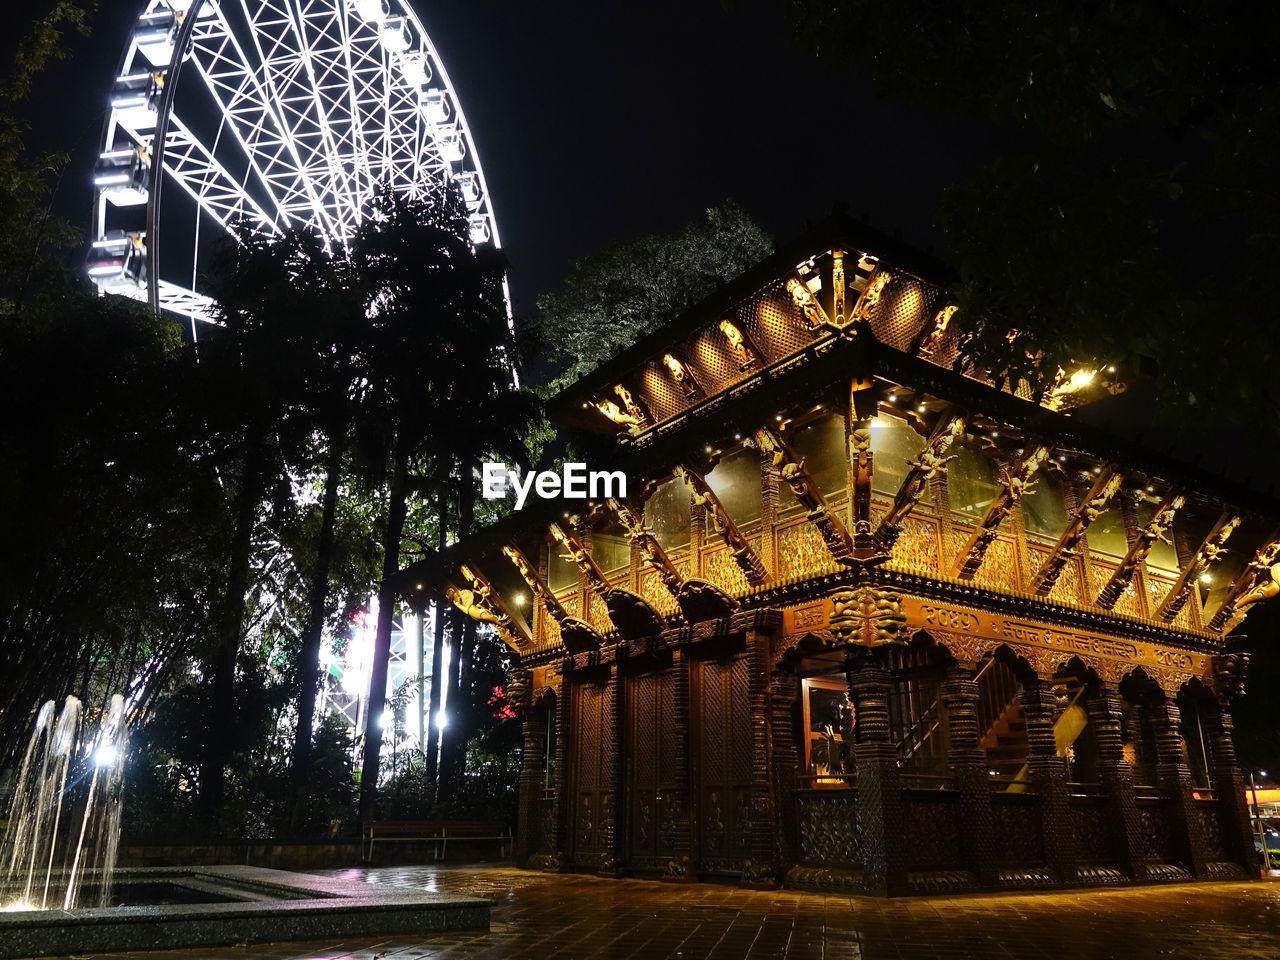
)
(258, 904)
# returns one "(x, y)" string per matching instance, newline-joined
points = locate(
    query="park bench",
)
(438, 832)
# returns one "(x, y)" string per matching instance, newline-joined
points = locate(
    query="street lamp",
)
(1257, 816)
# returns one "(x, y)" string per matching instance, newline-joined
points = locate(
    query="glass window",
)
(821, 445)
(972, 480)
(736, 482)
(895, 447)
(610, 547)
(667, 515)
(561, 573)
(1106, 534)
(1044, 509)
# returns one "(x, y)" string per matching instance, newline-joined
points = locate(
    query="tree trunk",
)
(397, 509)
(437, 648)
(230, 628)
(460, 713)
(317, 603)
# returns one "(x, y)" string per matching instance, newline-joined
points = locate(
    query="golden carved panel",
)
(720, 568)
(551, 629)
(999, 568)
(916, 550)
(1128, 602)
(1070, 583)
(570, 602)
(801, 553)
(655, 592)
(598, 613)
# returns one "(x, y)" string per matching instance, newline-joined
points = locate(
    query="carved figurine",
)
(803, 299)
(631, 405)
(469, 603)
(743, 355)
(1261, 590)
(616, 414)
(682, 377)
(870, 298)
(936, 330)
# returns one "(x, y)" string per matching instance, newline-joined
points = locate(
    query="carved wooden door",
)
(656, 792)
(722, 769)
(592, 789)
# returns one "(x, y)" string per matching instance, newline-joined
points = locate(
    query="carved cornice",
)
(801, 592)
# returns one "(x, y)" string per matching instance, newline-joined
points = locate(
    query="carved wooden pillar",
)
(1106, 714)
(768, 514)
(563, 804)
(760, 869)
(942, 506)
(880, 807)
(1176, 784)
(531, 784)
(583, 532)
(1025, 567)
(680, 806)
(1228, 787)
(784, 691)
(1048, 773)
(965, 763)
(614, 818)
(540, 615)
(697, 537)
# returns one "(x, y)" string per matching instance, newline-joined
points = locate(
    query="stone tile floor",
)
(544, 917)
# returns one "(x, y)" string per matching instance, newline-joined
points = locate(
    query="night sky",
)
(597, 122)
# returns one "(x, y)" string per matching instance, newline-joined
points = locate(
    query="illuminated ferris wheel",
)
(281, 113)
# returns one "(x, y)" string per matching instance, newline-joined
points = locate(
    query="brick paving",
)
(545, 917)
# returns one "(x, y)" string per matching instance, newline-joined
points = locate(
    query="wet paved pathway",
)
(544, 917)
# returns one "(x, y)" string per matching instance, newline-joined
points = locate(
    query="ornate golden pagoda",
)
(870, 621)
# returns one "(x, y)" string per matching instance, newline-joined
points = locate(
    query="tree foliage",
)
(615, 296)
(1135, 211)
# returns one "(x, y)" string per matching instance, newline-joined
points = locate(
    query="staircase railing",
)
(997, 689)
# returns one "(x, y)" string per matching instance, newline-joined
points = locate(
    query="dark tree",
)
(1134, 212)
